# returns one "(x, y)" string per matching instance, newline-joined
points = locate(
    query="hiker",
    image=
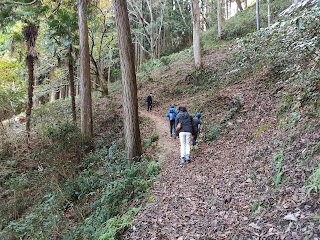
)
(172, 113)
(184, 125)
(149, 101)
(196, 126)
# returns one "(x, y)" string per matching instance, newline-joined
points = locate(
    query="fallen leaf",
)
(255, 226)
(290, 217)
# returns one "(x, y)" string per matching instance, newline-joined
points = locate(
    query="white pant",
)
(185, 138)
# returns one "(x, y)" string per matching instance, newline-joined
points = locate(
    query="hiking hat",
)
(172, 106)
(198, 115)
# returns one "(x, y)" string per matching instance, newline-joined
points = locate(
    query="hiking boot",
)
(195, 147)
(191, 148)
(182, 160)
(188, 157)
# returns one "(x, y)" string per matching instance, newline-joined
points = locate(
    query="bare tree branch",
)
(20, 3)
(161, 22)
(56, 7)
(141, 45)
(183, 18)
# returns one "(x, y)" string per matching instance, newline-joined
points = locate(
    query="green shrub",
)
(153, 138)
(165, 60)
(213, 132)
(278, 158)
(243, 22)
(313, 182)
(112, 226)
(129, 182)
(255, 205)
(107, 180)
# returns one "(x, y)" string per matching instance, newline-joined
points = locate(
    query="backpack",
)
(172, 115)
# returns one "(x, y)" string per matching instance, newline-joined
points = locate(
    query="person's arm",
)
(199, 128)
(193, 127)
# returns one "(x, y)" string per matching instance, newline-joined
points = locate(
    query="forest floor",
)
(228, 190)
(203, 199)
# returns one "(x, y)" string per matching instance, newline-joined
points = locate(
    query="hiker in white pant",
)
(184, 125)
(185, 138)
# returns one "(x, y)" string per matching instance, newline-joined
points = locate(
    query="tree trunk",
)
(85, 83)
(239, 5)
(196, 33)
(226, 9)
(269, 15)
(136, 61)
(152, 49)
(103, 83)
(109, 73)
(53, 95)
(62, 92)
(30, 64)
(257, 15)
(219, 18)
(141, 53)
(130, 100)
(159, 47)
(30, 32)
(71, 81)
(36, 101)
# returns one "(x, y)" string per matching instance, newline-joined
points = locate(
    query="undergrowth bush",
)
(288, 56)
(313, 182)
(244, 22)
(212, 132)
(278, 159)
(108, 181)
(197, 80)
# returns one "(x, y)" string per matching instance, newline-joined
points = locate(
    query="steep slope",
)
(259, 151)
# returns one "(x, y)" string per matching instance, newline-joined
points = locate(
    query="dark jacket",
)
(149, 99)
(186, 121)
(196, 122)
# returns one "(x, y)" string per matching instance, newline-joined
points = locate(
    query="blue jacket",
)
(173, 112)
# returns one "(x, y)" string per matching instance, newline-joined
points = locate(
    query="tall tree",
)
(71, 81)
(149, 23)
(196, 33)
(219, 18)
(85, 83)
(101, 47)
(269, 15)
(30, 32)
(239, 5)
(12, 11)
(63, 26)
(130, 100)
(257, 15)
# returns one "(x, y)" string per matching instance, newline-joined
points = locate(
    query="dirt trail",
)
(168, 147)
(178, 210)
(205, 199)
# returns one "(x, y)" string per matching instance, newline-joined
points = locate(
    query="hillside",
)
(256, 173)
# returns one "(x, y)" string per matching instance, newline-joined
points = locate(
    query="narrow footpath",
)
(184, 195)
